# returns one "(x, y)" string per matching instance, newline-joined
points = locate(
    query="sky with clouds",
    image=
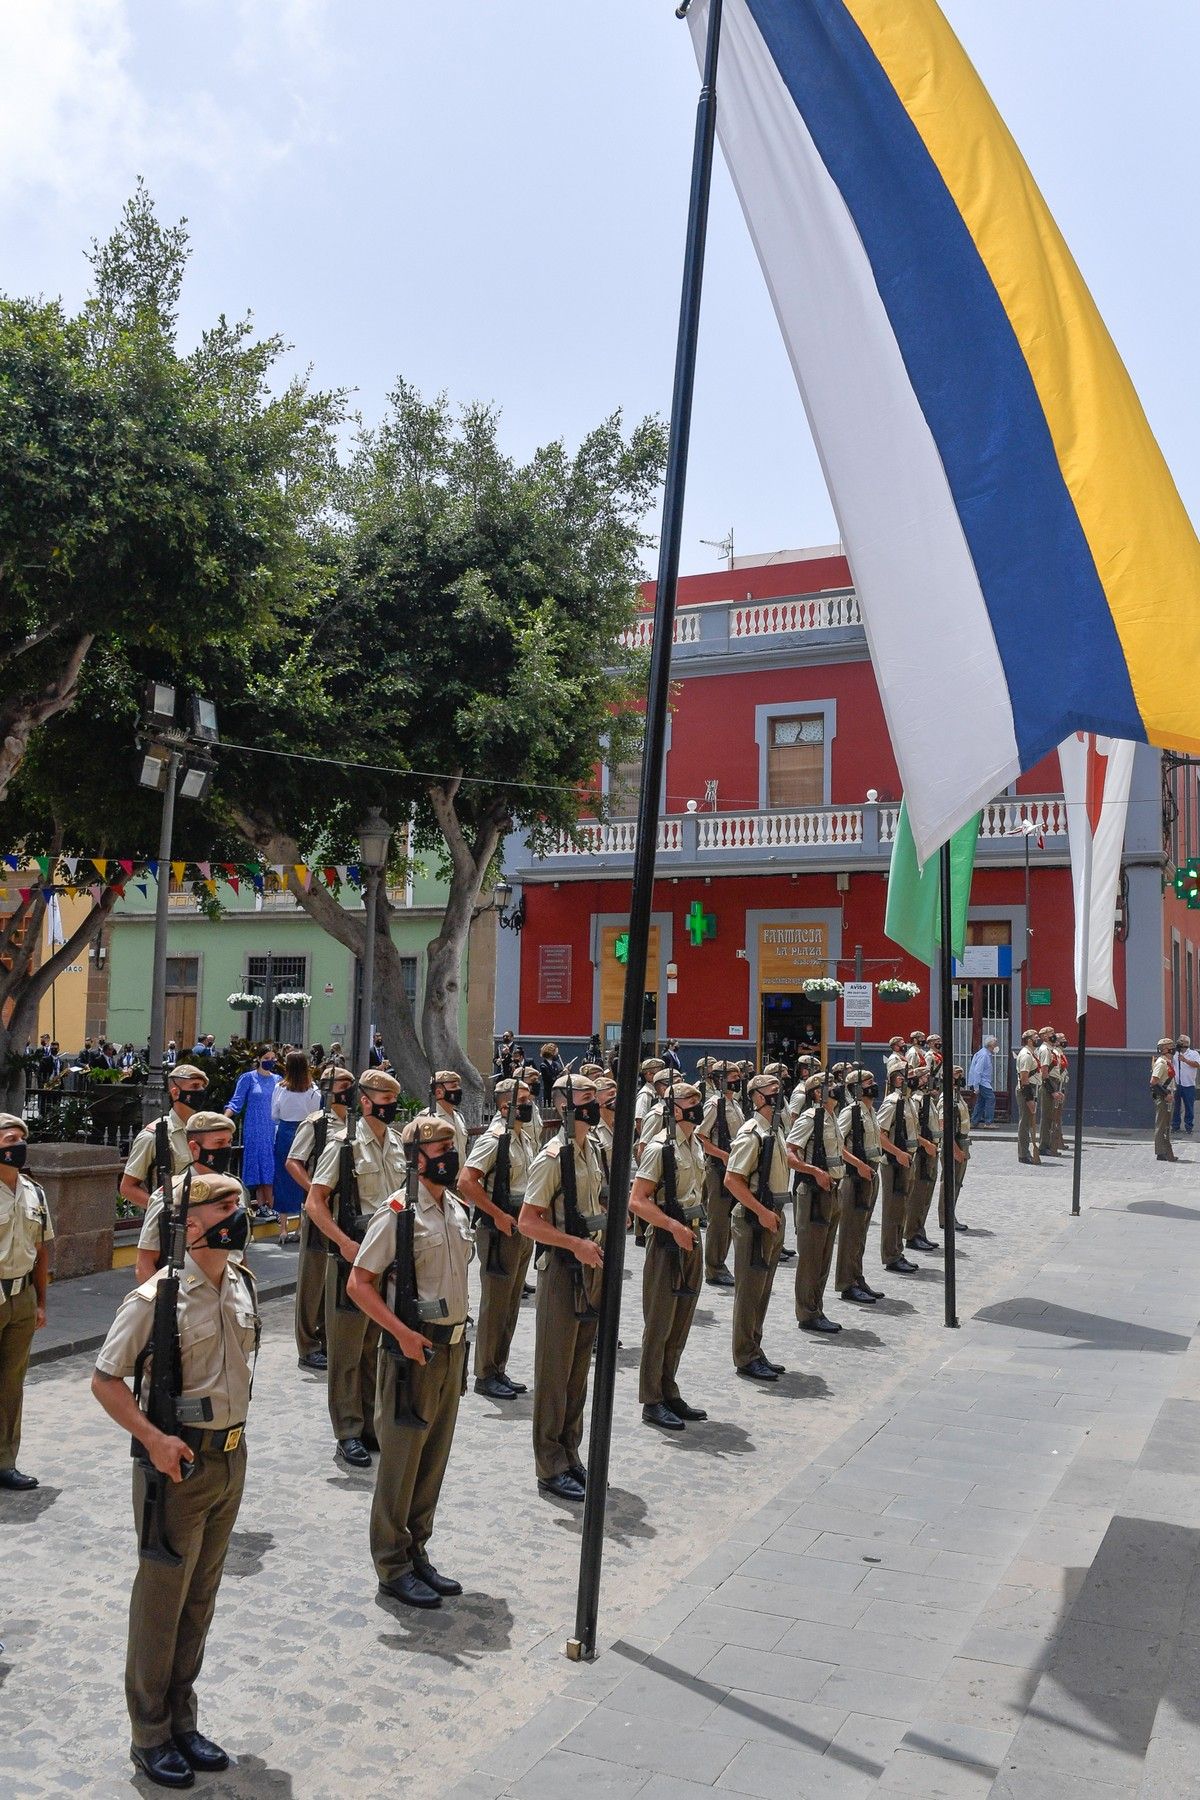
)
(487, 197)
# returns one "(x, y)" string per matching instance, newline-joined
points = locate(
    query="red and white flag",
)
(1096, 773)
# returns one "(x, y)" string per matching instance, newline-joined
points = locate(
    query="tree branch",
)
(22, 716)
(48, 972)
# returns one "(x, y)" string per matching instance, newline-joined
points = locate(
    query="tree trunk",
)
(22, 714)
(447, 952)
(23, 989)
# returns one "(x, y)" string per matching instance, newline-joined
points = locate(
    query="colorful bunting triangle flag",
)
(72, 863)
(14, 862)
(95, 891)
(178, 869)
(43, 863)
(126, 865)
(233, 880)
(26, 895)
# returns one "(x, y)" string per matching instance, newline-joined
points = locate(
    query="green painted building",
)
(266, 944)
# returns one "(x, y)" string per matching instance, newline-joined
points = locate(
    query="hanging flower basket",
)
(897, 991)
(293, 999)
(824, 988)
(243, 1002)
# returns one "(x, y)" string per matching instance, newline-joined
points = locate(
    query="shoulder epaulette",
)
(396, 1203)
(553, 1148)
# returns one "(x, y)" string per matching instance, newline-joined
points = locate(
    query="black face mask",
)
(441, 1170)
(692, 1115)
(453, 1096)
(733, 1087)
(525, 1111)
(588, 1112)
(192, 1098)
(217, 1160)
(869, 1093)
(342, 1097)
(13, 1155)
(232, 1233)
(383, 1109)
(268, 1068)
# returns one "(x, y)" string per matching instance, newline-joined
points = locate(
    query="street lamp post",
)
(374, 841)
(173, 759)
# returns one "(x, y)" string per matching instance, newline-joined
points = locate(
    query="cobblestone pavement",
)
(322, 1689)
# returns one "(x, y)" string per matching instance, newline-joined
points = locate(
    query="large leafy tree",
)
(151, 497)
(471, 653)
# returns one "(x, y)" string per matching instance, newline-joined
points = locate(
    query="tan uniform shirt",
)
(148, 1236)
(305, 1140)
(646, 1098)
(964, 1124)
(520, 1154)
(381, 1168)
(1162, 1073)
(689, 1171)
(934, 1133)
(451, 1116)
(734, 1118)
(752, 1142)
(141, 1151)
(872, 1148)
(887, 1118)
(544, 1187)
(1048, 1064)
(217, 1331)
(442, 1249)
(24, 1224)
(800, 1139)
(1028, 1072)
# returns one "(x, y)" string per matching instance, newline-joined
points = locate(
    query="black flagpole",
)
(1080, 1067)
(949, 1094)
(587, 1605)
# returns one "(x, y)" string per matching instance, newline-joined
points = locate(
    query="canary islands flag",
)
(1019, 548)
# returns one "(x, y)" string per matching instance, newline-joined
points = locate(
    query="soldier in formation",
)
(25, 1230)
(563, 1214)
(722, 1120)
(313, 1137)
(1029, 1080)
(209, 1139)
(757, 1177)
(493, 1182)
(859, 1127)
(202, 1470)
(1162, 1092)
(817, 1152)
(186, 1087)
(422, 1359)
(668, 1193)
(353, 1179)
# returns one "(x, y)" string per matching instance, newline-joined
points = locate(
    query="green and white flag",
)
(914, 900)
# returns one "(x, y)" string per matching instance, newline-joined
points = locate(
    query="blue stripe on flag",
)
(1051, 619)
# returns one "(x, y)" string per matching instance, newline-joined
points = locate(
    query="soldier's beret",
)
(815, 1081)
(581, 1086)
(378, 1081)
(208, 1121)
(425, 1129)
(446, 1077)
(206, 1188)
(685, 1093)
(508, 1086)
(758, 1084)
(590, 1069)
(651, 1064)
(187, 1072)
(10, 1122)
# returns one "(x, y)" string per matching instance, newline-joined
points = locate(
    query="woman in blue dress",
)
(294, 1098)
(252, 1098)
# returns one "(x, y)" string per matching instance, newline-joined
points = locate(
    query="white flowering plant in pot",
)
(897, 991)
(822, 987)
(243, 1002)
(293, 998)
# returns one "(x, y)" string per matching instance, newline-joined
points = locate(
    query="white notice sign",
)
(857, 1005)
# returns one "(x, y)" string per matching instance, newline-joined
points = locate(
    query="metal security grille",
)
(270, 975)
(983, 1009)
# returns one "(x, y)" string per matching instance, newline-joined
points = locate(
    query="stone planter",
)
(80, 1182)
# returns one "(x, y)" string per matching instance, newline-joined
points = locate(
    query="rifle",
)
(165, 1406)
(819, 1157)
(764, 1195)
(350, 1220)
(501, 1194)
(899, 1131)
(164, 1169)
(574, 1223)
(670, 1200)
(408, 1308)
(316, 1242)
(923, 1169)
(858, 1146)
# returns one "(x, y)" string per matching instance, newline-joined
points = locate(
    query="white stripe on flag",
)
(956, 749)
(1096, 772)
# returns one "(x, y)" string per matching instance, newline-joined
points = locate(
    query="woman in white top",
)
(296, 1096)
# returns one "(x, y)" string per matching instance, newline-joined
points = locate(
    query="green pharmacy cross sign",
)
(700, 924)
(1187, 884)
(621, 947)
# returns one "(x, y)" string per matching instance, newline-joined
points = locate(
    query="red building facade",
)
(777, 813)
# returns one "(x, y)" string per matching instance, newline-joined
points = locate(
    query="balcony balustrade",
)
(723, 624)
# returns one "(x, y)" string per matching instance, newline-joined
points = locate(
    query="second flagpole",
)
(587, 1604)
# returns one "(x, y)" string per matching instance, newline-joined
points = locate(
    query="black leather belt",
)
(225, 1440)
(443, 1334)
(15, 1284)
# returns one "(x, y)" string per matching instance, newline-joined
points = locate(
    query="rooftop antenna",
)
(724, 545)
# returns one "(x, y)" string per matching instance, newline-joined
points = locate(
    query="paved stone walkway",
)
(989, 1585)
(884, 1574)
